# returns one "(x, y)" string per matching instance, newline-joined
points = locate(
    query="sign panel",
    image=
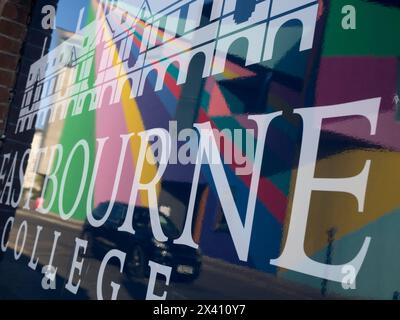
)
(201, 149)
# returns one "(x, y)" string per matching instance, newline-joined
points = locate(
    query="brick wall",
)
(14, 15)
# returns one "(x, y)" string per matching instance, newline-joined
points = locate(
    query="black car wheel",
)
(137, 262)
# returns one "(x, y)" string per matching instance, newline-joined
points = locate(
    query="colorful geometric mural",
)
(189, 62)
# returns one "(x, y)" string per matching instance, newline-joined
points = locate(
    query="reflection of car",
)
(142, 246)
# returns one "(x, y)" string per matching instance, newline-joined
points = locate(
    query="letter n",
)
(208, 150)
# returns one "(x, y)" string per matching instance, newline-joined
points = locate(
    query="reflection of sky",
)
(68, 13)
(67, 16)
(157, 5)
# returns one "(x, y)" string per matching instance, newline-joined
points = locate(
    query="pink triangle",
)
(217, 106)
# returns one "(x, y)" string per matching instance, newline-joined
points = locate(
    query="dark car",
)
(142, 246)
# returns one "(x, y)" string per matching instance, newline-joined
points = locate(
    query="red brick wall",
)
(14, 15)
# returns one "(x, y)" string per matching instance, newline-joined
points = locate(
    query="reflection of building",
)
(146, 41)
(30, 179)
(46, 134)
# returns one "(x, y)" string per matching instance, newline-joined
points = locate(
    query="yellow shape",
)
(134, 124)
(340, 210)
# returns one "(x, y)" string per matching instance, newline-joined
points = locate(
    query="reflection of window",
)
(168, 227)
(78, 72)
(116, 214)
(28, 98)
(38, 93)
(206, 14)
(124, 17)
(141, 218)
(182, 20)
